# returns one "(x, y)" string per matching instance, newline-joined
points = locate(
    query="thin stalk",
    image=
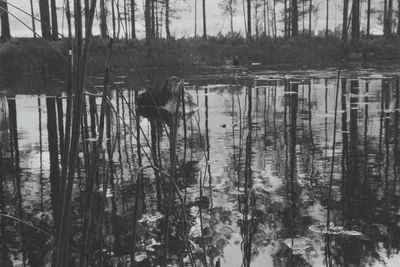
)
(203, 245)
(85, 255)
(334, 130)
(396, 137)
(33, 19)
(139, 177)
(172, 176)
(62, 236)
(66, 145)
(333, 151)
(60, 115)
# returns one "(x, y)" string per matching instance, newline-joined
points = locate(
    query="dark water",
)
(254, 176)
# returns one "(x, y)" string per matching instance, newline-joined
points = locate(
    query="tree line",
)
(119, 18)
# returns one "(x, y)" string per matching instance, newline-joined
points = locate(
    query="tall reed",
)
(12, 109)
(63, 225)
(93, 171)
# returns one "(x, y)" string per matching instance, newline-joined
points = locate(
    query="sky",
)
(183, 25)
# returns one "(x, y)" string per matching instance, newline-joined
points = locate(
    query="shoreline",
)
(213, 51)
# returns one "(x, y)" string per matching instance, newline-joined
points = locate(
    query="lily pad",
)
(333, 230)
(298, 245)
(140, 256)
(151, 217)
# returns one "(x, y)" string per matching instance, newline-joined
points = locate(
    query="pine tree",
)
(345, 19)
(295, 19)
(45, 19)
(103, 23)
(355, 25)
(54, 22)
(133, 19)
(369, 17)
(167, 7)
(248, 18)
(204, 20)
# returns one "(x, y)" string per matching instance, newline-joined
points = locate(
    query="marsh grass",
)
(25, 54)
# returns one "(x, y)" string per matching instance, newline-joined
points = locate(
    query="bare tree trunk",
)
(153, 22)
(327, 19)
(157, 20)
(33, 20)
(265, 17)
(231, 15)
(390, 16)
(398, 22)
(204, 20)
(103, 24)
(289, 18)
(385, 24)
(133, 19)
(113, 18)
(345, 19)
(269, 26)
(295, 19)
(54, 23)
(5, 23)
(285, 20)
(87, 6)
(195, 18)
(248, 18)
(161, 21)
(118, 18)
(167, 19)
(369, 17)
(256, 17)
(275, 30)
(147, 19)
(244, 16)
(45, 18)
(126, 20)
(304, 16)
(355, 27)
(309, 18)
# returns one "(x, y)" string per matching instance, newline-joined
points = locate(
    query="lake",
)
(266, 172)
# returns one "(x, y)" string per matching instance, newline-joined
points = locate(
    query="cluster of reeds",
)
(76, 136)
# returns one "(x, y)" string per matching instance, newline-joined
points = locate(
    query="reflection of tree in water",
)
(367, 206)
(244, 204)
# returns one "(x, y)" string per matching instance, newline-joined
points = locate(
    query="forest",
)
(313, 32)
(123, 19)
(288, 18)
(125, 141)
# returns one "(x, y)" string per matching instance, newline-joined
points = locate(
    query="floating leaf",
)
(298, 245)
(290, 93)
(317, 228)
(352, 233)
(94, 139)
(140, 256)
(151, 217)
(333, 230)
(153, 243)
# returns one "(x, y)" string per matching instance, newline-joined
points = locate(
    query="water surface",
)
(254, 179)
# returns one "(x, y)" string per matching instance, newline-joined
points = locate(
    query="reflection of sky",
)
(28, 121)
(267, 164)
(183, 23)
(34, 166)
(265, 175)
